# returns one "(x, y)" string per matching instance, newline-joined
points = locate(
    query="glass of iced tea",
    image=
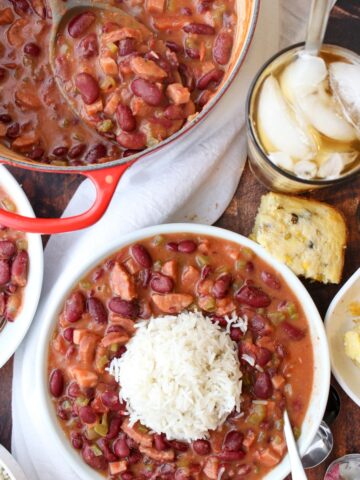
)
(303, 119)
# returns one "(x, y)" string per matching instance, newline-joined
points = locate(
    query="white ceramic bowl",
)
(51, 427)
(14, 332)
(9, 464)
(337, 322)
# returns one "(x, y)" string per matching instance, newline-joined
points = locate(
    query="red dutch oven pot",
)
(105, 177)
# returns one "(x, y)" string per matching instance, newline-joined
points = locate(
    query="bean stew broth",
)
(14, 264)
(168, 274)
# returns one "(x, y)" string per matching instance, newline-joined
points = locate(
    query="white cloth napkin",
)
(193, 182)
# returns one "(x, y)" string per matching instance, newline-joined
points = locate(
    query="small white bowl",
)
(321, 383)
(337, 322)
(14, 332)
(9, 464)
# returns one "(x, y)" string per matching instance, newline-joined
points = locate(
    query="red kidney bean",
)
(220, 320)
(174, 47)
(87, 414)
(199, 29)
(132, 140)
(56, 383)
(11, 288)
(88, 87)
(60, 151)
(74, 390)
(233, 441)
(187, 76)
(121, 448)
(2, 75)
(5, 118)
(7, 249)
(294, 333)
(134, 457)
(32, 49)
(161, 283)
(114, 428)
(77, 150)
(36, 154)
(259, 325)
(172, 246)
(141, 255)
(79, 24)
(103, 443)
(187, 246)
(186, 11)
(148, 91)
(270, 280)
(222, 47)
(253, 296)
(281, 350)
(193, 53)
(235, 334)
(126, 46)
(95, 153)
(127, 476)
(5, 272)
(160, 442)
(180, 446)
(98, 462)
(115, 328)
(74, 307)
(201, 447)
(76, 440)
(204, 5)
(88, 47)
(174, 112)
(19, 268)
(263, 387)
(128, 153)
(110, 27)
(222, 285)
(21, 6)
(204, 98)
(214, 76)
(231, 456)
(68, 334)
(13, 131)
(97, 310)
(125, 118)
(263, 356)
(128, 309)
(111, 400)
(250, 267)
(62, 413)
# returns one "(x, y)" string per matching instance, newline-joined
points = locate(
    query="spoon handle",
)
(297, 470)
(318, 20)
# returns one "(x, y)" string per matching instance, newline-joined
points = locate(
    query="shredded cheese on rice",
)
(179, 376)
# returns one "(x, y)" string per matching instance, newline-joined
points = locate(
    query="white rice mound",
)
(180, 376)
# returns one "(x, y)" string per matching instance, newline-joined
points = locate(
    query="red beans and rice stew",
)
(134, 87)
(14, 261)
(168, 274)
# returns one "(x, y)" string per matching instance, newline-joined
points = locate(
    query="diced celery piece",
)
(114, 347)
(108, 83)
(247, 253)
(297, 432)
(22, 244)
(66, 404)
(82, 401)
(222, 269)
(277, 440)
(142, 428)
(96, 450)
(85, 284)
(257, 414)
(102, 361)
(240, 264)
(158, 240)
(105, 126)
(202, 260)
(183, 462)
(91, 434)
(8, 204)
(151, 141)
(112, 47)
(101, 430)
(157, 265)
(276, 317)
(210, 304)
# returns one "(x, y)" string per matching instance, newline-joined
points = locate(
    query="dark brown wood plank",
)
(50, 194)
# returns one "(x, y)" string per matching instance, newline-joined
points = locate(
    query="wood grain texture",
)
(49, 194)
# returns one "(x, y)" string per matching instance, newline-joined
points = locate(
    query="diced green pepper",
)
(96, 450)
(91, 434)
(257, 414)
(101, 430)
(222, 269)
(210, 304)
(105, 126)
(107, 83)
(8, 204)
(22, 244)
(82, 401)
(114, 347)
(247, 253)
(142, 428)
(112, 47)
(297, 432)
(240, 264)
(85, 284)
(202, 260)
(276, 317)
(158, 240)
(102, 361)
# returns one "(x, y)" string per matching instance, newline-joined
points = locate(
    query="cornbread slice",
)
(309, 236)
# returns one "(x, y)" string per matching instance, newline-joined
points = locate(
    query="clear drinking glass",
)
(344, 468)
(263, 168)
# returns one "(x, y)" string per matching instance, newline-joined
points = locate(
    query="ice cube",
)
(345, 83)
(320, 111)
(305, 169)
(278, 126)
(282, 160)
(332, 166)
(303, 76)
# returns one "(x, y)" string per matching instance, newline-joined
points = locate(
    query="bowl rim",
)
(64, 284)
(250, 123)
(14, 332)
(355, 277)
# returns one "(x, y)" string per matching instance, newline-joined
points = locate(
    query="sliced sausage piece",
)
(172, 302)
(211, 468)
(108, 66)
(87, 349)
(120, 34)
(114, 337)
(142, 438)
(85, 378)
(164, 456)
(123, 322)
(190, 277)
(178, 94)
(155, 7)
(147, 69)
(122, 283)
(170, 269)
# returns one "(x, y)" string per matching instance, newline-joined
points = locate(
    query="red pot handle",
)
(105, 181)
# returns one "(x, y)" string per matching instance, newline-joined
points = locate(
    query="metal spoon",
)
(318, 20)
(323, 442)
(297, 470)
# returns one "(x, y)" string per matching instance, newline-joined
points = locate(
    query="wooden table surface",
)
(50, 194)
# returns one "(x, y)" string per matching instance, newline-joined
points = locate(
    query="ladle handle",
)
(318, 20)
(105, 181)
